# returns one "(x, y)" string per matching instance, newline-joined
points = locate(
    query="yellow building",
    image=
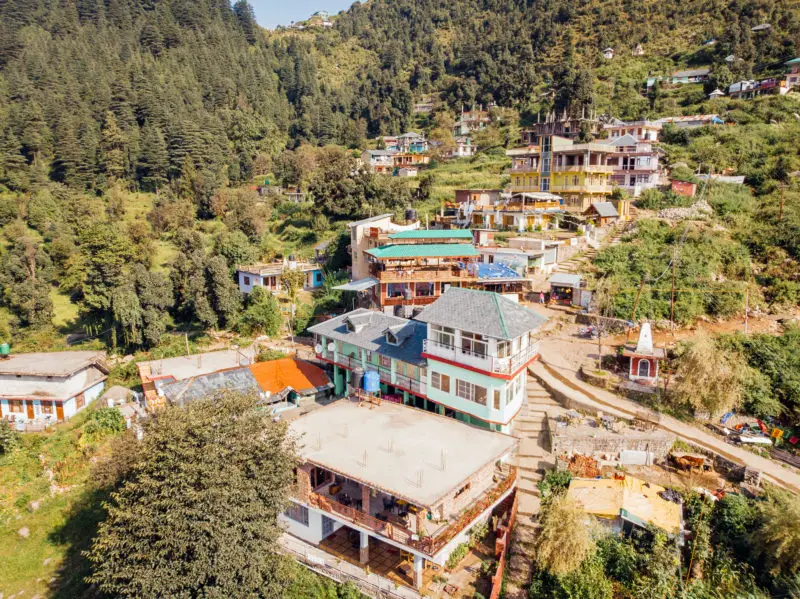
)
(579, 173)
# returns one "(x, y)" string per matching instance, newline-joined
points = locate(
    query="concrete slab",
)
(412, 454)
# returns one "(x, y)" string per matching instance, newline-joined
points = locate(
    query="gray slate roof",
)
(370, 334)
(481, 312)
(605, 209)
(236, 379)
(623, 140)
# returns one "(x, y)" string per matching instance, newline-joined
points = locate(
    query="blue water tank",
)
(372, 381)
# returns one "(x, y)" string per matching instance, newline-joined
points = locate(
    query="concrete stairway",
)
(533, 457)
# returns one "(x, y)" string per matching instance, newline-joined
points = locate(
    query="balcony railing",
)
(587, 188)
(505, 365)
(421, 274)
(429, 545)
(583, 168)
(413, 385)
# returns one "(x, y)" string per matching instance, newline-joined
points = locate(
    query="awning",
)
(360, 285)
(562, 279)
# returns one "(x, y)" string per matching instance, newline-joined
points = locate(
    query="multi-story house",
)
(479, 346)
(411, 142)
(642, 130)
(520, 211)
(635, 162)
(579, 173)
(409, 160)
(370, 233)
(395, 489)
(418, 266)
(568, 126)
(471, 120)
(462, 149)
(691, 121)
(747, 90)
(465, 356)
(39, 389)
(379, 161)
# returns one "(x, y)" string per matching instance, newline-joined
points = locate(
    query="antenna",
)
(444, 459)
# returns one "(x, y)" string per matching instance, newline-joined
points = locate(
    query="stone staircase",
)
(532, 459)
(578, 262)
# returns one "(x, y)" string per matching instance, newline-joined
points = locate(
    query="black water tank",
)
(411, 215)
(357, 378)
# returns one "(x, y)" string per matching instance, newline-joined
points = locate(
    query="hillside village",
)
(535, 341)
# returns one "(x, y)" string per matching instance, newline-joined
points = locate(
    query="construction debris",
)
(698, 210)
(582, 466)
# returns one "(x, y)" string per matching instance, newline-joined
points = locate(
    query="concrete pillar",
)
(405, 397)
(393, 371)
(419, 568)
(363, 555)
(338, 381)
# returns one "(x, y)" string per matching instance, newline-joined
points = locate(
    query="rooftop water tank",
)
(5, 350)
(372, 381)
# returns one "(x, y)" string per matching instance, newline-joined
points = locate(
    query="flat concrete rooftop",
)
(184, 367)
(398, 449)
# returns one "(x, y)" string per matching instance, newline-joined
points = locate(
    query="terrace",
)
(408, 476)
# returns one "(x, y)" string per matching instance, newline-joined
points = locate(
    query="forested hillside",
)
(132, 131)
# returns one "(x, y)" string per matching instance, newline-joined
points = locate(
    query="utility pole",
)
(672, 295)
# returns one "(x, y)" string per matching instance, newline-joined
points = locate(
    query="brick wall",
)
(479, 483)
(304, 481)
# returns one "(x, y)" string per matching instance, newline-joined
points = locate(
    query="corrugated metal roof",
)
(563, 278)
(360, 285)
(428, 250)
(433, 234)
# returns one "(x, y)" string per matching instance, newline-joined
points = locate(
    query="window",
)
(443, 335)
(80, 401)
(440, 381)
(473, 344)
(503, 349)
(498, 394)
(15, 405)
(386, 362)
(327, 526)
(47, 407)
(298, 513)
(247, 280)
(471, 392)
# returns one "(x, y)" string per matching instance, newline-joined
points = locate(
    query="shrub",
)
(458, 554)
(478, 533)
(101, 423)
(9, 438)
(554, 483)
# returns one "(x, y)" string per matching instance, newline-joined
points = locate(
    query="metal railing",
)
(429, 545)
(582, 168)
(504, 365)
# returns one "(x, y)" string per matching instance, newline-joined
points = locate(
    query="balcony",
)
(402, 381)
(583, 168)
(412, 274)
(406, 525)
(581, 188)
(507, 365)
(524, 168)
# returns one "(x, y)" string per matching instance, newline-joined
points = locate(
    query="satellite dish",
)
(331, 346)
(318, 348)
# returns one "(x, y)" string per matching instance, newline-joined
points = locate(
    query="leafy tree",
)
(777, 538)
(196, 516)
(710, 379)
(105, 252)
(9, 438)
(564, 540)
(732, 521)
(262, 315)
(25, 274)
(293, 281)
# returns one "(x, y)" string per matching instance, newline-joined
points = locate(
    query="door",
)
(644, 368)
(29, 406)
(60, 411)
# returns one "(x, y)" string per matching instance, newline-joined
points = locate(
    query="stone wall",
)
(479, 483)
(658, 442)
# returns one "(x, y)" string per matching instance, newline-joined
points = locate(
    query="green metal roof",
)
(426, 250)
(793, 61)
(437, 234)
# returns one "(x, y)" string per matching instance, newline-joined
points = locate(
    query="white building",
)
(43, 388)
(387, 478)
(370, 233)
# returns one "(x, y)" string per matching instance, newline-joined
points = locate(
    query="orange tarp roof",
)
(274, 376)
